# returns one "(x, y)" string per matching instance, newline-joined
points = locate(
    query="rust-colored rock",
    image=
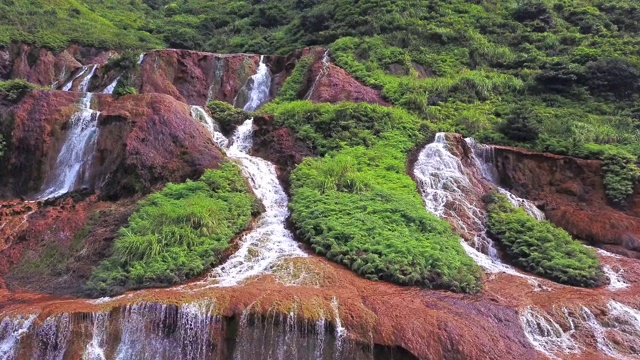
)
(45, 67)
(573, 196)
(143, 141)
(194, 77)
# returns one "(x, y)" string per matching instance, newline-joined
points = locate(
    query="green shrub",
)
(177, 233)
(14, 90)
(227, 116)
(620, 175)
(521, 124)
(327, 127)
(292, 86)
(541, 248)
(122, 89)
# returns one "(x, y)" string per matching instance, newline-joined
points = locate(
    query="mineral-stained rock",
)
(573, 195)
(143, 141)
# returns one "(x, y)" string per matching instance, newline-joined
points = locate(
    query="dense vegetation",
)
(540, 247)
(177, 233)
(357, 205)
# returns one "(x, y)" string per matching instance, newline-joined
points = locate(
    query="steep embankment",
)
(572, 194)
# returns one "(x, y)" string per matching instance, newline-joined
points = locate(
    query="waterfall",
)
(11, 331)
(483, 157)
(269, 241)
(257, 88)
(160, 331)
(323, 73)
(616, 281)
(627, 318)
(95, 348)
(199, 113)
(446, 191)
(602, 343)
(52, 338)
(545, 334)
(141, 58)
(69, 85)
(73, 162)
(109, 89)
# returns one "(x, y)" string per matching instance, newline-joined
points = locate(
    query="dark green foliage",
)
(177, 233)
(326, 127)
(57, 23)
(292, 86)
(620, 175)
(360, 209)
(541, 248)
(226, 115)
(122, 89)
(614, 76)
(521, 124)
(13, 90)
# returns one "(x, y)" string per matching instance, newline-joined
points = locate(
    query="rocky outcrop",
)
(45, 67)
(143, 141)
(327, 82)
(572, 194)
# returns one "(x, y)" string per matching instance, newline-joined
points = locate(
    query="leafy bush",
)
(226, 115)
(14, 90)
(177, 233)
(541, 248)
(326, 127)
(122, 89)
(620, 176)
(616, 76)
(290, 90)
(522, 124)
(359, 208)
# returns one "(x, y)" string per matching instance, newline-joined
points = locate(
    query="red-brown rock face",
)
(143, 141)
(330, 83)
(194, 77)
(573, 197)
(44, 67)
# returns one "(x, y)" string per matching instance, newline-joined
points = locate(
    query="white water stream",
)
(256, 88)
(74, 160)
(325, 70)
(109, 89)
(270, 241)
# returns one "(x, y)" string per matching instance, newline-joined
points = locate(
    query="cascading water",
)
(72, 165)
(322, 74)
(483, 157)
(199, 113)
(270, 241)
(84, 85)
(69, 85)
(11, 331)
(257, 88)
(546, 335)
(109, 89)
(446, 191)
(141, 58)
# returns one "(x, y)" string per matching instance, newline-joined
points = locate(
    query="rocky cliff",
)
(572, 194)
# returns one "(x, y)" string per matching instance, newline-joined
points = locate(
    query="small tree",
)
(522, 124)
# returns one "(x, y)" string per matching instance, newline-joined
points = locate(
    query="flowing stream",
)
(109, 89)
(73, 163)
(270, 241)
(326, 61)
(257, 88)
(452, 191)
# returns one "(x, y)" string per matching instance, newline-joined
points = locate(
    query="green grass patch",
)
(541, 248)
(359, 208)
(177, 233)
